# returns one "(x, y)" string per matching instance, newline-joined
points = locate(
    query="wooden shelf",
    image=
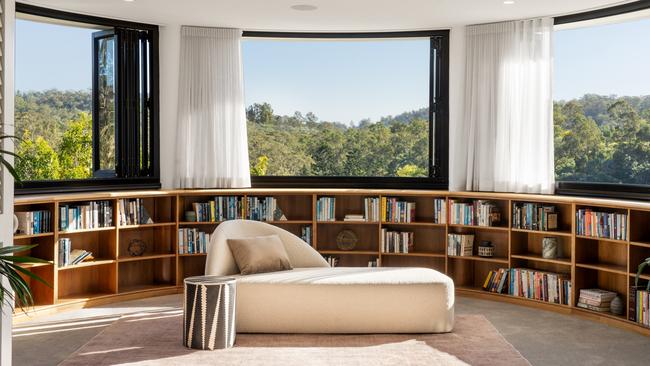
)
(29, 236)
(479, 290)
(640, 244)
(477, 227)
(601, 239)
(603, 314)
(193, 254)
(146, 257)
(290, 222)
(193, 223)
(347, 222)
(539, 258)
(35, 265)
(642, 276)
(96, 262)
(425, 224)
(144, 288)
(82, 297)
(611, 268)
(144, 226)
(416, 254)
(349, 252)
(481, 259)
(542, 232)
(71, 232)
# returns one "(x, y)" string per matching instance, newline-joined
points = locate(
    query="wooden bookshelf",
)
(115, 274)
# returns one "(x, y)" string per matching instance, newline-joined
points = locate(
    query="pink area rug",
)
(155, 339)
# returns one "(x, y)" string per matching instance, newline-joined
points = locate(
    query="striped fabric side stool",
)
(209, 312)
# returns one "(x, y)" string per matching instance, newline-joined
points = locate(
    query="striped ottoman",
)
(209, 312)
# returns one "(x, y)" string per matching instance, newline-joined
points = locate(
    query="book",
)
(597, 294)
(396, 241)
(397, 211)
(600, 309)
(460, 245)
(325, 209)
(474, 213)
(610, 225)
(534, 216)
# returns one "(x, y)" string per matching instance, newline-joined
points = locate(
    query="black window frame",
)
(438, 130)
(124, 177)
(598, 189)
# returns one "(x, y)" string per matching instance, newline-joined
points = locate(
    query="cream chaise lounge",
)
(315, 298)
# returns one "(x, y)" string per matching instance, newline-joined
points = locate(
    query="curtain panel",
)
(506, 143)
(212, 144)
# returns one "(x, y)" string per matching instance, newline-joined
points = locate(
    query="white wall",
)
(169, 71)
(6, 217)
(170, 36)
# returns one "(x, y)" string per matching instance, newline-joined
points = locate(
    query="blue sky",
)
(351, 80)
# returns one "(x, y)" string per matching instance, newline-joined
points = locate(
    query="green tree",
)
(38, 161)
(75, 151)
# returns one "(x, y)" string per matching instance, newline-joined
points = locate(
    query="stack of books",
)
(639, 305)
(396, 211)
(461, 245)
(69, 256)
(220, 209)
(192, 241)
(133, 212)
(331, 260)
(539, 285)
(34, 222)
(476, 213)
(596, 299)
(354, 217)
(373, 263)
(371, 208)
(263, 209)
(396, 241)
(439, 211)
(305, 234)
(325, 209)
(93, 215)
(534, 216)
(497, 281)
(601, 224)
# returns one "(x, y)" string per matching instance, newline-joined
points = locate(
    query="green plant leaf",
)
(19, 259)
(29, 274)
(16, 248)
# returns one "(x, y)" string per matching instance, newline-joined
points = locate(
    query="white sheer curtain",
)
(212, 145)
(507, 133)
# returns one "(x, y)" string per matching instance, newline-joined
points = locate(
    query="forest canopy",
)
(597, 138)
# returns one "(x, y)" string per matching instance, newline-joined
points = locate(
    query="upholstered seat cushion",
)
(346, 300)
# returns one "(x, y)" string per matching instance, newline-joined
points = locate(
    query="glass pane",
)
(602, 103)
(106, 90)
(338, 107)
(53, 103)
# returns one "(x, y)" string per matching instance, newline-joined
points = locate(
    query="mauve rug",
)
(155, 339)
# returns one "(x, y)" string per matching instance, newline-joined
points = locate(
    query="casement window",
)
(358, 109)
(86, 114)
(602, 102)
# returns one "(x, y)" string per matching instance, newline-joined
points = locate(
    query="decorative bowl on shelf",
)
(190, 216)
(346, 240)
(137, 247)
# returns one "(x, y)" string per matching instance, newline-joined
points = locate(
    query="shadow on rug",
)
(155, 339)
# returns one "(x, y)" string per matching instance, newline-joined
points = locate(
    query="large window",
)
(85, 111)
(602, 106)
(346, 107)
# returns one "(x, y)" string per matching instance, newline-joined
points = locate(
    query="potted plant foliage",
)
(644, 263)
(18, 291)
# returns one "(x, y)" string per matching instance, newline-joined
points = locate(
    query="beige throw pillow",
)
(259, 254)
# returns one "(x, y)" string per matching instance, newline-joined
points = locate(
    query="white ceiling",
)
(331, 15)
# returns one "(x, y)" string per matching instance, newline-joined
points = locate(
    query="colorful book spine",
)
(96, 214)
(610, 225)
(397, 211)
(397, 241)
(534, 216)
(440, 211)
(192, 241)
(474, 213)
(34, 222)
(371, 206)
(325, 209)
(460, 245)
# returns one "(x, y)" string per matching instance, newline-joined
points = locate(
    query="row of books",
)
(95, 214)
(539, 285)
(133, 212)
(394, 210)
(596, 299)
(262, 209)
(439, 211)
(371, 208)
(396, 241)
(332, 260)
(192, 241)
(609, 225)
(326, 209)
(221, 208)
(306, 234)
(69, 256)
(460, 245)
(534, 216)
(34, 222)
(475, 213)
(640, 306)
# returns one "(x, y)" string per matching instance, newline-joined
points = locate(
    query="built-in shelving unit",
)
(586, 260)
